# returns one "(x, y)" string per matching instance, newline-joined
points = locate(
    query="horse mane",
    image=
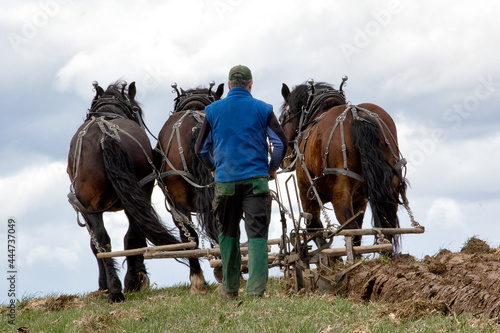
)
(188, 94)
(300, 94)
(115, 89)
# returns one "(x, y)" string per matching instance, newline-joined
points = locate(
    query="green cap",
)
(240, 72)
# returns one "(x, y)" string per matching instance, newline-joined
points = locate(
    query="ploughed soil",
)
(463, 282)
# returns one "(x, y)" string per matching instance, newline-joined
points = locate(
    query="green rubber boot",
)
(257, 267)
(231, 263)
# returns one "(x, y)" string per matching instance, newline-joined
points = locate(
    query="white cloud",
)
(445, 213)
(37, 186)
(54, 256)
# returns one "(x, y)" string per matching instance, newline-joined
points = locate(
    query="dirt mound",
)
(54, 303)
(468, 281)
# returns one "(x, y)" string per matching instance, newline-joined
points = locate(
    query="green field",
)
(174, 309)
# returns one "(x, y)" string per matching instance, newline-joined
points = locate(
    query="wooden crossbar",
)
(174, 251)
(244, 261)
(385, 231)
(363, 249)
(143, 250)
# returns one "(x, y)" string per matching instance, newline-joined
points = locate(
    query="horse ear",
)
(132, 90)
(182, 91)
(285, 92)
(219, 92)
(100, 91)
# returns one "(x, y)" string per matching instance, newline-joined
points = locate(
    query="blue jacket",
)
(236, 130)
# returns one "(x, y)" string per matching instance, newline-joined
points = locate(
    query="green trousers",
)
(231, 200)
(257, 265)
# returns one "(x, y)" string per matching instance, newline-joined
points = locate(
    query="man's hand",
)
(272, 174)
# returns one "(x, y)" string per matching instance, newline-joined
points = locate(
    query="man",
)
(236, 130)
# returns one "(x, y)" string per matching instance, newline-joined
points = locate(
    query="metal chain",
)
(186, 231)
(170, 206)
(201, 233)
(329, 223)
(414, 223)
(94, 241)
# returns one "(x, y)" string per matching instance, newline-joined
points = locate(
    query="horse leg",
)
(312, 207)
(359, 203)
(108, 277)
(137, 276)
(196, 277)
(345, 207)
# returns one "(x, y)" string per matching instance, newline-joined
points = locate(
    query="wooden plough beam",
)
(145, 250)
(182, 250)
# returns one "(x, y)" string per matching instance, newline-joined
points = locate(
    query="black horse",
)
(185, 179)
(109, 155)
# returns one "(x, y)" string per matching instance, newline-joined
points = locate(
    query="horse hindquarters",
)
(378, 175)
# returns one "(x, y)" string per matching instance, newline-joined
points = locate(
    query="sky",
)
(432, 65)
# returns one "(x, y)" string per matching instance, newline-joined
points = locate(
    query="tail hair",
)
(204, 196)
(136, 203)
(378, 176)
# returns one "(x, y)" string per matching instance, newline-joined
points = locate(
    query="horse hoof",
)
(116, 297)
(198, 285)
(143, 280)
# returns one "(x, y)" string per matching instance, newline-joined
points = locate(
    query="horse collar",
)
(183, 100)
(117, 103)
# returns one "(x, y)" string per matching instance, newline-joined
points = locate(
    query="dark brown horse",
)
(109, 154)
(351, 154)
(185, 178)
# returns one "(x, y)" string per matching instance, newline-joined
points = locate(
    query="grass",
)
(174, 309)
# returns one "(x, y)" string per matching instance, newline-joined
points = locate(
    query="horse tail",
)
(378, 176)
(205, 195)
(136, 203)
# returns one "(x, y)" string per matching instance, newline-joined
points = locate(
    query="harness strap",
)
(98, 114)
(337, 171)
(78, 152)
(188, 177)
(383, 126)
(80, 208)
(181, 150)
(401, 162)
(175, 131)
(317, 99)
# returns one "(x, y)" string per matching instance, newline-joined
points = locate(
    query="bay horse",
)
(109, 155)
(351, 154)
(185, 180)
